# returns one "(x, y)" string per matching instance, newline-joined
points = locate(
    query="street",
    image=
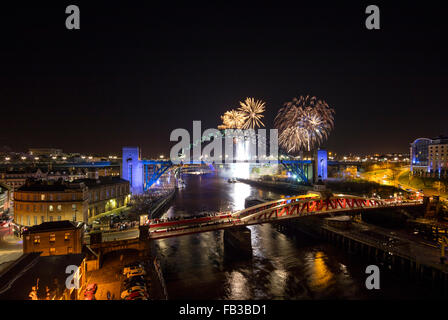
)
(10, 247)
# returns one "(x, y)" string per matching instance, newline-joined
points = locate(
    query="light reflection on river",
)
(282, 266)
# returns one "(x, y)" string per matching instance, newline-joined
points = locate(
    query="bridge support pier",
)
(237, 243)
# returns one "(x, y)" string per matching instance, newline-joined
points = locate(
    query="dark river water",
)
(282, 267)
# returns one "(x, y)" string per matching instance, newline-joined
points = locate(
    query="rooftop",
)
(46, 186)
(100, 181)
(54, 225)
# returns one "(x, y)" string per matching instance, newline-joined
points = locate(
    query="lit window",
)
(50, 208)
(52, 250)
(73, 206)
(59, 207)
(67, 236)
(36, 239)
(52, 237)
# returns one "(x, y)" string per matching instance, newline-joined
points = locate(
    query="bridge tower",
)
(320, 165)
(132, 168)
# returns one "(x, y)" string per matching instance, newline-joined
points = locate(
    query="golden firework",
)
(232, 119)
(252, 110)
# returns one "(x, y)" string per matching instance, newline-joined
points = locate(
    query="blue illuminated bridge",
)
(142, 174)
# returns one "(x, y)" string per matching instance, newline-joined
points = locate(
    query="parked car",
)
(137, 287)
(136, 283)
(89, 294)
(134, 295)
(127, 293)
(126, 270)
(137, 272)
(135, 278)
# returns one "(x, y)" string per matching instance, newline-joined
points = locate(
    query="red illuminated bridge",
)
(288, 208)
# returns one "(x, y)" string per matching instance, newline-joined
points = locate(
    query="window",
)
(34, 208)
(27, 208)
(36, 240)
(74, 196)
(51, 197)
(58, 197)
(73, 207)
(50, 208)
(28, 220)
(52, 237)
(42, 219)
(59, 207)
(69, 250)
(51, 218)
(67, 236)
(52, 250)
(35, 220)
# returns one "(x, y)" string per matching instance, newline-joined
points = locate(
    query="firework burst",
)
(304, 123)
(252, 109)
(233, 119)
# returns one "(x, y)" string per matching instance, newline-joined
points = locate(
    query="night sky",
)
(135, 72)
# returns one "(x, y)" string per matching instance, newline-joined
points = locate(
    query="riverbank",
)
(277, 186)
(158, 207)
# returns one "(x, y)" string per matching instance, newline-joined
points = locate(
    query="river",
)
(293, 267)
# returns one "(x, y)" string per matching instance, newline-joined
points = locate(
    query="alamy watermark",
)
(229, 145)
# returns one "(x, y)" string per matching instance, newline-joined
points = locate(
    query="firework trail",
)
(232, 119)
(304, 123)
(252, 109)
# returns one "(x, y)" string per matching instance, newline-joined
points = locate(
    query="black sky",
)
(137, 70)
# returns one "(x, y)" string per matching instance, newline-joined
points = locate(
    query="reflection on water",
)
(237, 286)
(282, 266)
(239, 194)
(321, 276)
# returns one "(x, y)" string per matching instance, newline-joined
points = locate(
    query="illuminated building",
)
(54, 238)
(46, 201)
(45, 152)
(40, 201)
(17, 178)
(429, 157)
(106, 194)
(4, 199)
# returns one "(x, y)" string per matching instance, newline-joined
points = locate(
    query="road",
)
(11, 247)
